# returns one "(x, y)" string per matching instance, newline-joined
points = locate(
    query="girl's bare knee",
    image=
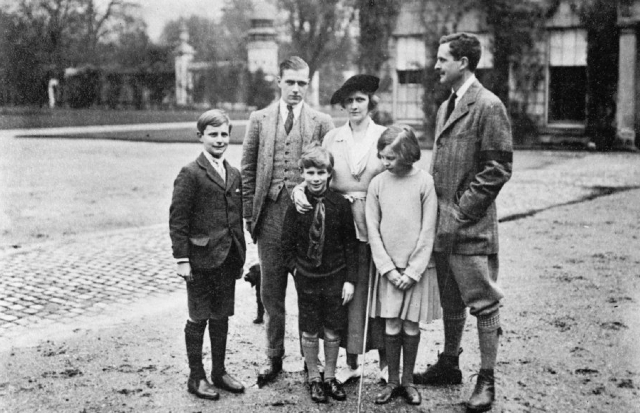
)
(392, 326)
(410, 328)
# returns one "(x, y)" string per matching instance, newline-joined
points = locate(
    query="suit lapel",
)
(307, 125)
(231, 175)
(211, 173)
(268, 135)
(461, 109)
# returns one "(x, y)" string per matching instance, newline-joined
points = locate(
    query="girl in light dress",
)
(401, 211)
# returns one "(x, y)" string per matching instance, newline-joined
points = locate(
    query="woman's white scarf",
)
(357, 154)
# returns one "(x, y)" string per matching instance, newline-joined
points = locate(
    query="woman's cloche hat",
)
(358, 83)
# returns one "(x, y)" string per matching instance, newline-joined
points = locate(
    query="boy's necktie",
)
(451, 105)
(288, 124)
(316, 233)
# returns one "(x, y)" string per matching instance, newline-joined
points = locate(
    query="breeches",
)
(468, 281)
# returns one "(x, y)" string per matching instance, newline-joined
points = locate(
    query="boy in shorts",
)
(207, 238)
(319, 250)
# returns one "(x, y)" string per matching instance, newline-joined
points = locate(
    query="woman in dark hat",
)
(353, 146)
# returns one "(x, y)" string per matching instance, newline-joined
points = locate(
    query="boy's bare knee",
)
(309, 335)
(331, 334)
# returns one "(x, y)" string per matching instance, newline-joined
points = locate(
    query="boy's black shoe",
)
(334, 389)
(270, 371)
(317, 392)
(202, 389)
(483, 394)
(445, 371)
(228, 383)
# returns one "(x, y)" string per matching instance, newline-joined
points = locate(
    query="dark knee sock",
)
(193, 337)
(310, 351)
(331, 350)
(352, 361)
(218, 331)
(453, 329)
(489, 336)
(259, 301)
(409, 353)
(393, 346)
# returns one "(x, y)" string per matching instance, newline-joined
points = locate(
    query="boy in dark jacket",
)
(207, 237)
(319, 249)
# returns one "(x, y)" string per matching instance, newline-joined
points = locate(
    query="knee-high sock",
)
(331, 350)
(193, 337)
(218, 331)
(393, 346)
(409, 353)
(453, 329)
(489, 336)
(310, 350)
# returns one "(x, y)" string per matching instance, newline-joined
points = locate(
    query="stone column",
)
(183, 58)
(626, 105)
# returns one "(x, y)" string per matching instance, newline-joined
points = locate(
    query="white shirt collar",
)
(284, 112)
(213, 161)
(465, 86)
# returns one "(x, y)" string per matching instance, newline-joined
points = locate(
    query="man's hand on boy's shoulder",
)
(184, 271)
(347, 292)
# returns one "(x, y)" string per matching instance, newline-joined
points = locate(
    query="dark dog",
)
(253, 277)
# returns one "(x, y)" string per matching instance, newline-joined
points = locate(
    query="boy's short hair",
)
(315, 156)
(292, 63)
(402, 141)
(464, 45)
(213, 117)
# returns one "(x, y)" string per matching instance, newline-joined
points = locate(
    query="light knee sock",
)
(331, 350)
(489, 336)
(310, 350)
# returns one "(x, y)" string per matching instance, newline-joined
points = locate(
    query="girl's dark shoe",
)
(388, 393)
(334, 389)
(412, 395)
(317, 392)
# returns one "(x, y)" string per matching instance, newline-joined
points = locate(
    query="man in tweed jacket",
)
(472, 160)
(271, 149)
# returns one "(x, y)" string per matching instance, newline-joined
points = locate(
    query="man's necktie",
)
(451, 105)
(288, 124)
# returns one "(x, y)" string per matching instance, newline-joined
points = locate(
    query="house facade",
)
(561, 102)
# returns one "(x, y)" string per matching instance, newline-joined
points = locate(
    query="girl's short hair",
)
(314, 155)
(402, 140)
(213, 117)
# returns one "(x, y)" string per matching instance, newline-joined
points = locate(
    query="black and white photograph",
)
(319, 206)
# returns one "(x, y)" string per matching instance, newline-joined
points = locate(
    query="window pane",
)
(567, 94)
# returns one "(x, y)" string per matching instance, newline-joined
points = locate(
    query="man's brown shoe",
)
(269, 371)
(228, 383)
(202, 389)
(444, 372)
(484, 393)
(412, 395)
(388, 393)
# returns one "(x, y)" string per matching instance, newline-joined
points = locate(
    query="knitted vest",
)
(287, 152)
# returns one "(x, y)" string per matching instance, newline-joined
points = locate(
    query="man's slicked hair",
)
(293, 63)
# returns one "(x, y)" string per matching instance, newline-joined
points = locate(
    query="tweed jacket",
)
(257, 154)
(472, 159)
(205, 216)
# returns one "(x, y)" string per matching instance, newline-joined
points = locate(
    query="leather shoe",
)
(334, 389)
(446, 371)
(484, 393)
(317, 392)
(269, 372)
(202, 389)
(412, 395)
(228, 383)
(388, 393)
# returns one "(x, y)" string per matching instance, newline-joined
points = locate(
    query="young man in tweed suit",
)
(271, 149)
(472, 160)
